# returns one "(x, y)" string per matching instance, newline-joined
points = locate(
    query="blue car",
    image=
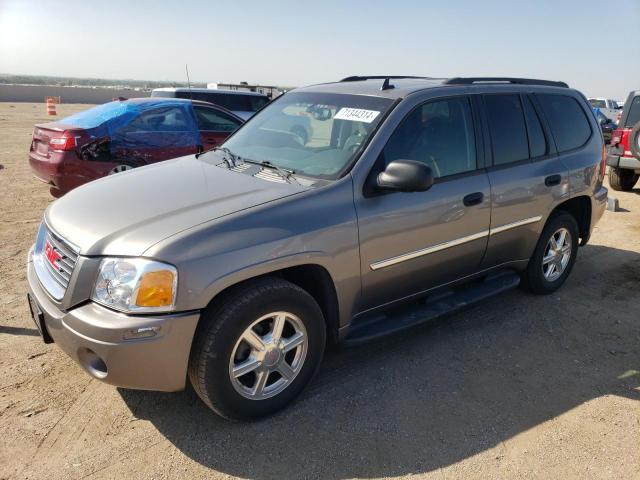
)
(121, 135)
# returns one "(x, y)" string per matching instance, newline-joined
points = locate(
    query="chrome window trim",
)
(426, 251)
(452, 243)
(519, 223)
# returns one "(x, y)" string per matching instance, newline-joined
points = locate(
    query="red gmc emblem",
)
(51, 254)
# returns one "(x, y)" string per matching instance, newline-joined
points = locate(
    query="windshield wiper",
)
(230, 158)
(285, 173)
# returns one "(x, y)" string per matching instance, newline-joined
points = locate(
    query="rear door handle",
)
(552, 180)
(473, 199)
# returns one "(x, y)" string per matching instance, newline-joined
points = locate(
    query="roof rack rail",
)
(356, 78)
(517, 81)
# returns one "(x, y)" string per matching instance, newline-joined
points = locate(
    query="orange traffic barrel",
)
(51, 106)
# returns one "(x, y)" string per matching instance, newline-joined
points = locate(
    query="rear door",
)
(527, 177)
(156, 134)
(214, 125)
(410, 242)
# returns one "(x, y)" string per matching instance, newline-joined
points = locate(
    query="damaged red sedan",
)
(121, 135)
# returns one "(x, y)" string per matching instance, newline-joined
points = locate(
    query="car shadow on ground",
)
(436, 394)
(19, 331)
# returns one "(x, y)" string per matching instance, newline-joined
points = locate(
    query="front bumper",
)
(94, 337)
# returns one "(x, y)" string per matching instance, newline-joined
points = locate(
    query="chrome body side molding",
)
(452, 243)
(519, 223)
(426, 251)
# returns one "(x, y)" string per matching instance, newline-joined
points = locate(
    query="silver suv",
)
(412, 198)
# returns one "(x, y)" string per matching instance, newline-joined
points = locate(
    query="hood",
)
(127, 213)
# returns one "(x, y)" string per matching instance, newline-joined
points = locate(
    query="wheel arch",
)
(580, 208)
(315, 279)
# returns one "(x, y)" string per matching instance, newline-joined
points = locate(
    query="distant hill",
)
(91, 82)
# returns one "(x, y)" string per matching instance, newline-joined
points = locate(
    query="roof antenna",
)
(186, 67)
(386, 86)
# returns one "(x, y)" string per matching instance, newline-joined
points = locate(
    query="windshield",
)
(595, 103)
(312, 134)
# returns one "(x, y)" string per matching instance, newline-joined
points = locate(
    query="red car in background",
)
(121, 135)
(624, 151)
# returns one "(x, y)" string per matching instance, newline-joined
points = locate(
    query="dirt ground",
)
(518, 387)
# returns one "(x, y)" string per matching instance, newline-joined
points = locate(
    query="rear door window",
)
(537, 140)
(212, 120)
(166, 119)
(567, 119)
(507, 127)
(439, 133)
(634, 113)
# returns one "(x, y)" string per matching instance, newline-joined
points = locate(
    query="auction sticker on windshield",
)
(356, 115)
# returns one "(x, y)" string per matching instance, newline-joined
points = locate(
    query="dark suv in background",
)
(243, 104)
(411, 198)
(624, 151)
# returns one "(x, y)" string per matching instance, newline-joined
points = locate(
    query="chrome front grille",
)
(65, 260)
(54, 261)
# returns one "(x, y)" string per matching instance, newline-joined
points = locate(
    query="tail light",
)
(603, 162)
(616, 136)
(65, 142)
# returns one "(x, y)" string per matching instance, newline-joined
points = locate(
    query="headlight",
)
(136, 285)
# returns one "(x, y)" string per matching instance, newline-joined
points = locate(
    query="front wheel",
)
(554, 256)
(257, 349)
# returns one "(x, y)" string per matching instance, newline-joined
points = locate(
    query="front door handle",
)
(552, 180)
(473, 199)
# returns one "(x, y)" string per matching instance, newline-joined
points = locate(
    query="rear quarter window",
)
(569, 124)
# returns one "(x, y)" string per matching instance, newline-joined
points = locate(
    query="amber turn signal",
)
(156, 289)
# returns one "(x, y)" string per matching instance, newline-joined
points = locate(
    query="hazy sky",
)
(591, 44)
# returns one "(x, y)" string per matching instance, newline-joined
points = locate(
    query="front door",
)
(410, 242)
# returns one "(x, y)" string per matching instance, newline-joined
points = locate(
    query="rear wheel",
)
(622, 179)
(554, 255)
(257, 349)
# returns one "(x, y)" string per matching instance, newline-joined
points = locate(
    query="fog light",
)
(92, 363)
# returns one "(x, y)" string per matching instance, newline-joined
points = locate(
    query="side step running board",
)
(430, 308)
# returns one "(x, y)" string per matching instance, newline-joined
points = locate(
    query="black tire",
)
(533, 278)
(622, 179)
(634, 140)
(221, 327)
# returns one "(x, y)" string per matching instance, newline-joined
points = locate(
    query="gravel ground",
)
(518, 387)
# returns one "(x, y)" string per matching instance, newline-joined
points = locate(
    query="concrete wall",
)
(36, 93)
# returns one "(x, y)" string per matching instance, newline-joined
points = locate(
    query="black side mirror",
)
(406, 176)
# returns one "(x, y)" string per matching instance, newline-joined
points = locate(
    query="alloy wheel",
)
(268, 355)
(557, 255)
